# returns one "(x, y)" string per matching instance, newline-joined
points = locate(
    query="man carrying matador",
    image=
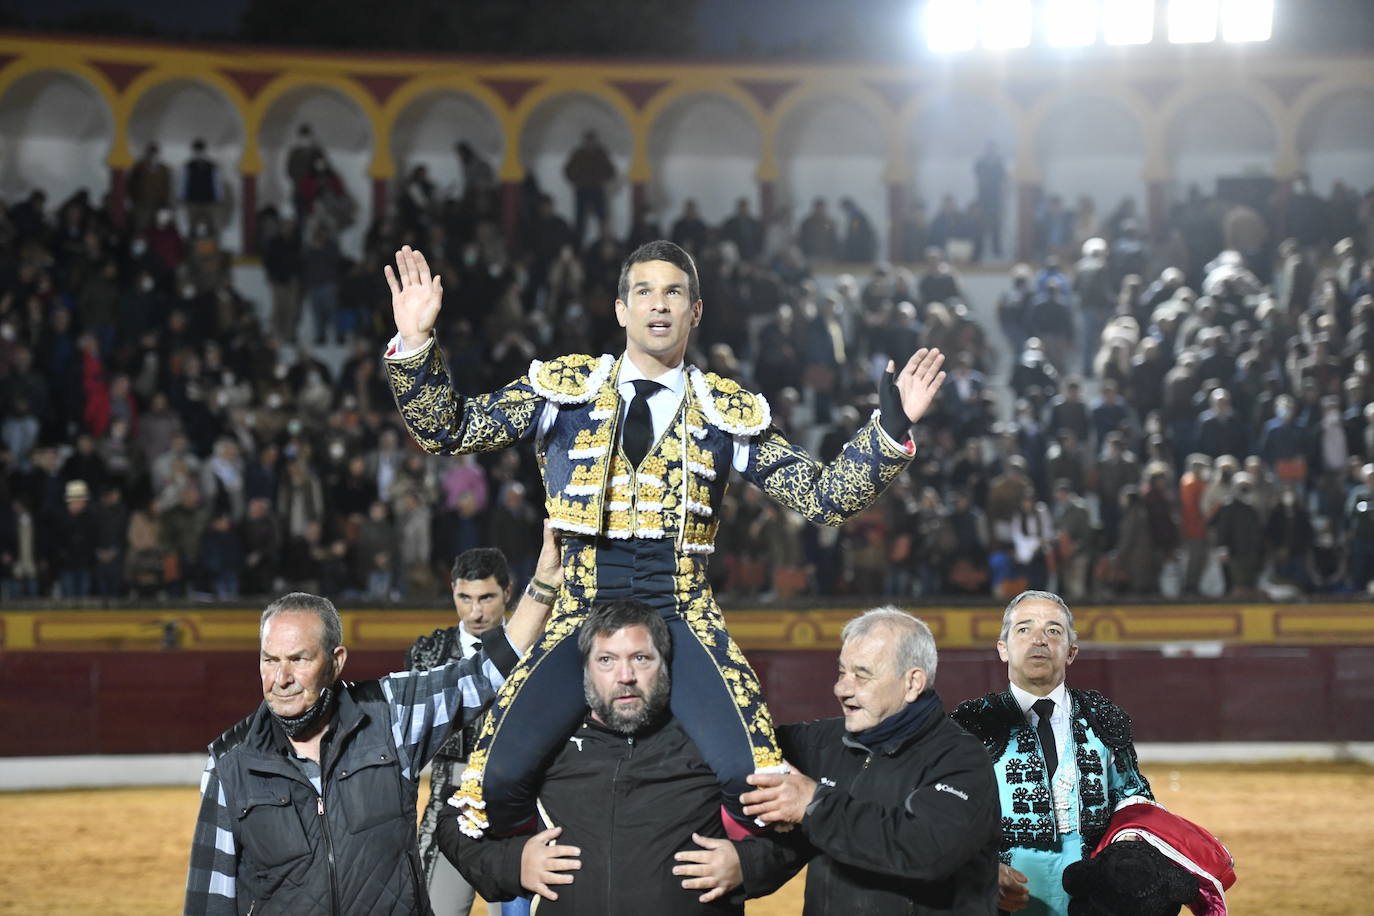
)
(635, 453)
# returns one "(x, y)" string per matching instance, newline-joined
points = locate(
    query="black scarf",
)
(901, 725)
(307, 723)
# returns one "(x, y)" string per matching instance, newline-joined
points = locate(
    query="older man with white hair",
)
(902, 813)
(308, 804)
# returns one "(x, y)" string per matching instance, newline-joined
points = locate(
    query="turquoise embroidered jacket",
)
(1108, 770)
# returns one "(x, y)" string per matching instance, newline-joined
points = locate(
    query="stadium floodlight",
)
(1192, 21)
(1247, 20)
(951, 25)
(1006, 23)
(1071, 23)
(1128, 22)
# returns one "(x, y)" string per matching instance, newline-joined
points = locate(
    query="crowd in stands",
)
(1189, 411)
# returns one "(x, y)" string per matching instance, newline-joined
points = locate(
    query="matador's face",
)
(659, 314)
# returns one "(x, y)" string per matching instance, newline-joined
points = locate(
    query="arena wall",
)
(99, 681)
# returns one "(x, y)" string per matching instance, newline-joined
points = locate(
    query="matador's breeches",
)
(715, 694)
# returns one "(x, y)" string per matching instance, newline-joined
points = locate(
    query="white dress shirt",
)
(1059, 721)
(663, 403)
(467, 642)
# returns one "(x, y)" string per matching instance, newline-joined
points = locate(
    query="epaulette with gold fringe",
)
(571, 379)
(729, 407)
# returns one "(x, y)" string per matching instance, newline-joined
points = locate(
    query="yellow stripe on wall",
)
(770, 629)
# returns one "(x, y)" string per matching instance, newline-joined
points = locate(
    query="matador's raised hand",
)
(415, 297)
(919, 381)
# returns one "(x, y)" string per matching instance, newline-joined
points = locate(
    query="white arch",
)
(1092, 145)
(55, 136)
(341, 128)
(427, 131)
(830, 148)
(553, 130)
(1226, 133)
(705, 147)
(1336, 140)
(946, 137)
(176, 113)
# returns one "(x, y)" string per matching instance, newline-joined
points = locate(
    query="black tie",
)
(1044, 709)
(639, 425)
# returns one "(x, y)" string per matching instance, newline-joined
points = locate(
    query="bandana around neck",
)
(307, 723)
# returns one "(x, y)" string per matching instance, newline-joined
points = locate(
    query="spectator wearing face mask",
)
(1240, 537)
(165, 242)
(1283, 445)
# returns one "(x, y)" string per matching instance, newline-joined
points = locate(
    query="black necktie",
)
(1044, 709)
(639, 425)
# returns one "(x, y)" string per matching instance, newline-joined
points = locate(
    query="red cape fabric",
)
(1187, 839)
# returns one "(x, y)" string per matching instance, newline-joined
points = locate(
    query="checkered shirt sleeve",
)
(426, 705)
(214, 854)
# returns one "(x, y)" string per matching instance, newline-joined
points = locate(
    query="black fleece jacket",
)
(911, 827)
(629, 803)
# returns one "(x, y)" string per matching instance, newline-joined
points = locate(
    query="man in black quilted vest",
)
(308, 805)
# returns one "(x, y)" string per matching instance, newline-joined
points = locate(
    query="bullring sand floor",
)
(1300, 834)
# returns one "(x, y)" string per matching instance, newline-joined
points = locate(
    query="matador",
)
(635, 454)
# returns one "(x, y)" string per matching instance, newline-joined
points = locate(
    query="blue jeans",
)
(589, 202)
(226, 585)
(23, 587)
(379, 585)
(323, 302)
(76, 583)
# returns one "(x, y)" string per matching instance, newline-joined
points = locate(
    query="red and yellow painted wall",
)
(97, 681)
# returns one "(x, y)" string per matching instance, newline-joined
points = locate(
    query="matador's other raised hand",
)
(415, 297)
(919, 381)
(903, 398)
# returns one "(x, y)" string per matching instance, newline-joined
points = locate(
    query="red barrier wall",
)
(1267, 693)
(162, 702)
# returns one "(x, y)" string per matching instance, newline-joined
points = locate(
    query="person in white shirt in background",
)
(481, 586)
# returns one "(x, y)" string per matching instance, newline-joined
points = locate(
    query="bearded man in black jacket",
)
(900, 813)
(630, 811)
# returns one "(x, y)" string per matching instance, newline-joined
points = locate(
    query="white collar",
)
(1026, 699)
(675, 379)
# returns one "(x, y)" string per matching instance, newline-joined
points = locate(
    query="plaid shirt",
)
(422, 706)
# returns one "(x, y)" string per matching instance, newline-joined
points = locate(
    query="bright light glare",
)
(1192, 21)
(951, 25)
(1247, 20)
(1006, 23)
(1071, 23)
(1128, 22)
